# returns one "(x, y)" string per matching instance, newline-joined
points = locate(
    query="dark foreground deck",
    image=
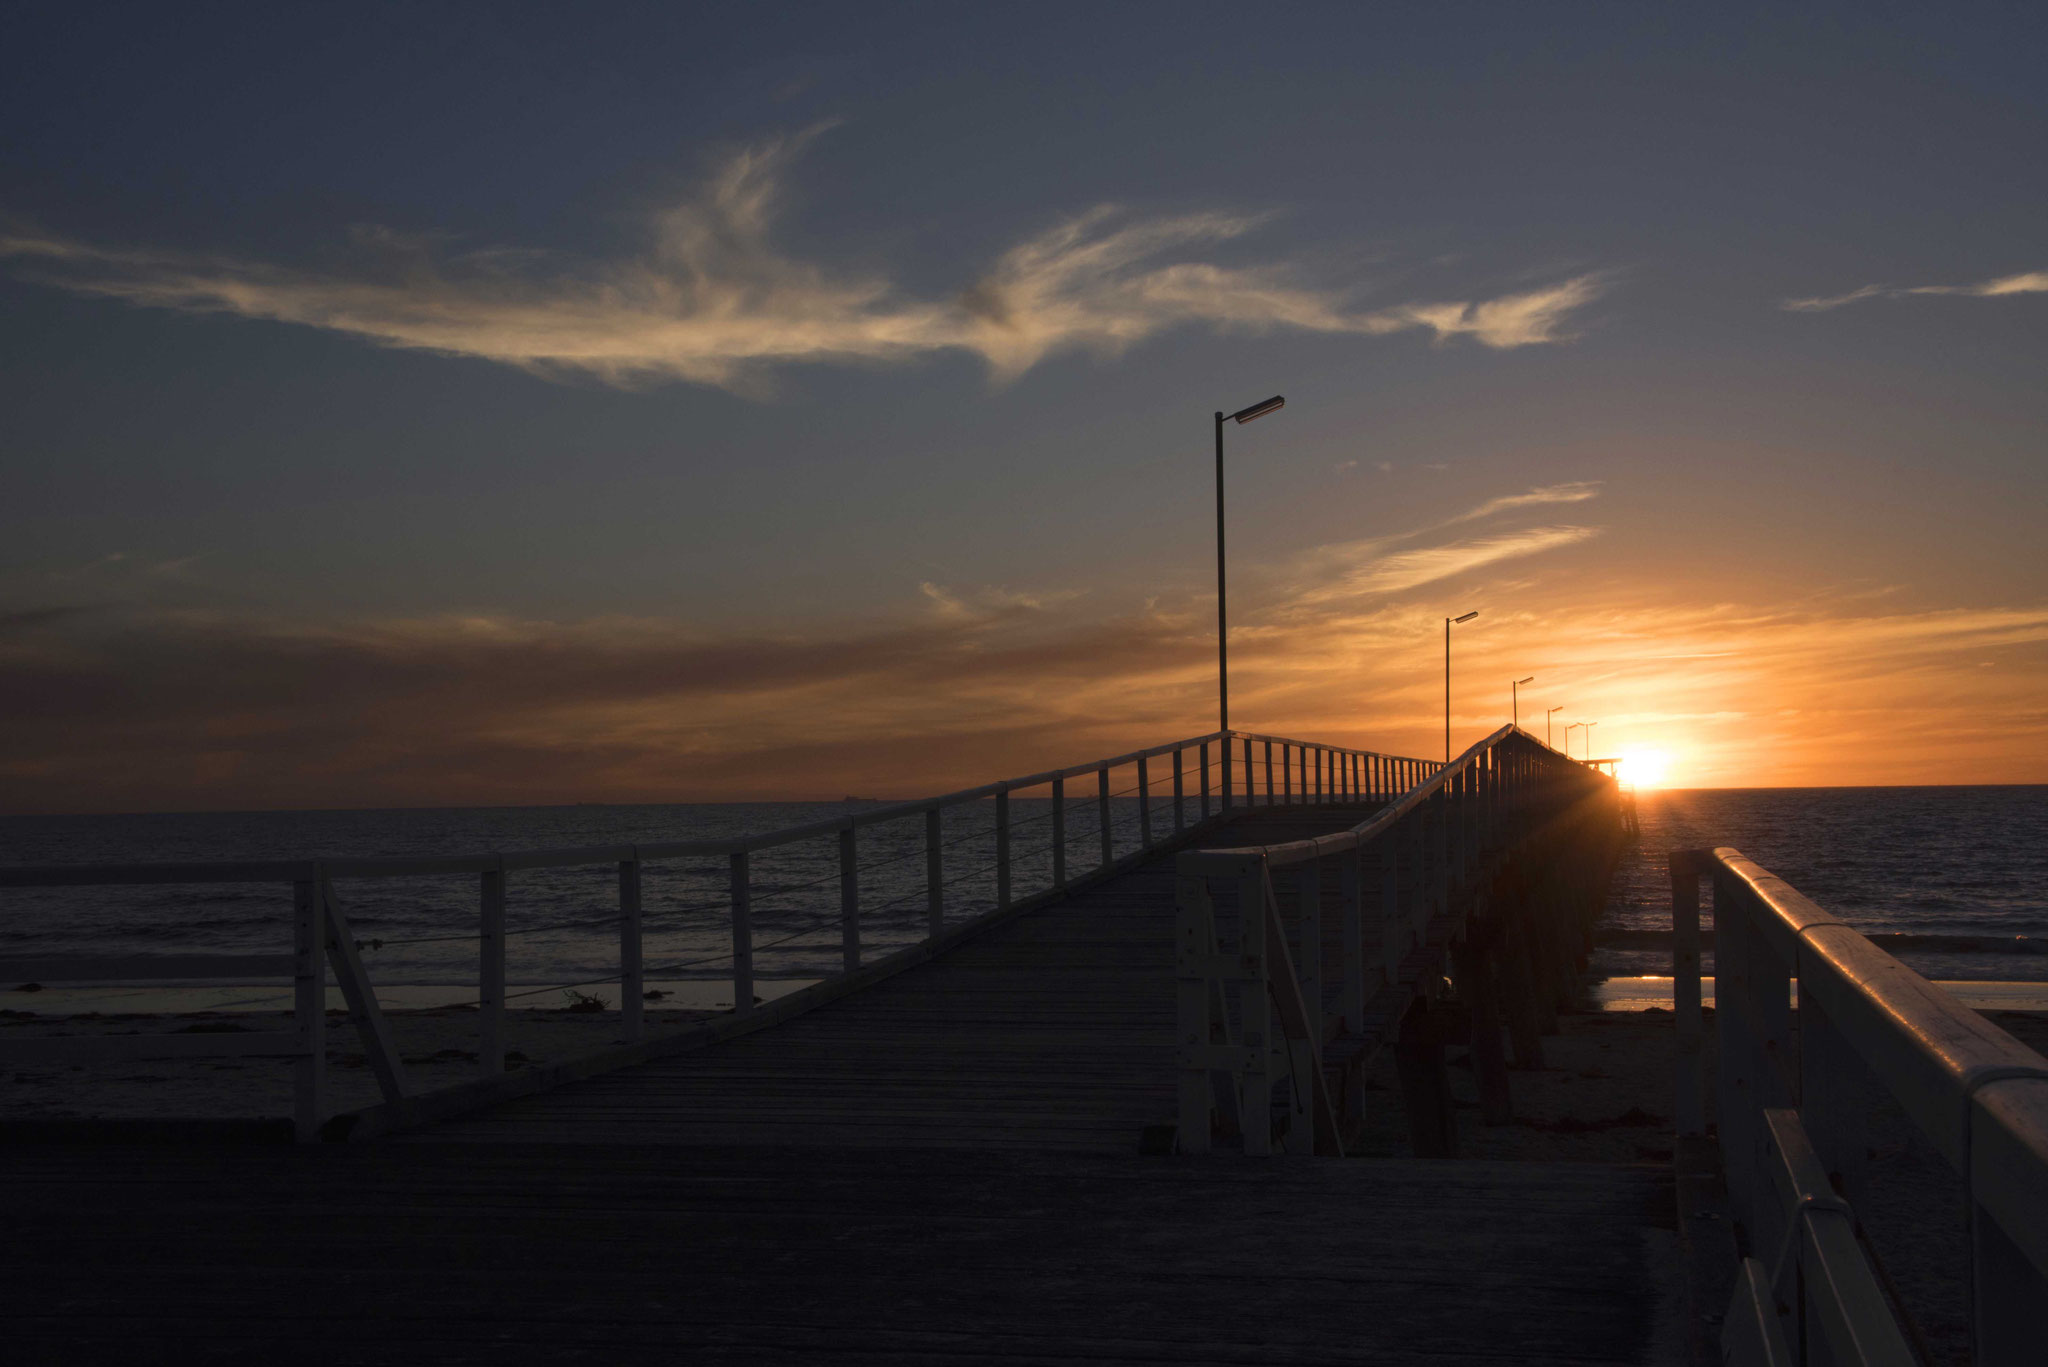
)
(504, 1253)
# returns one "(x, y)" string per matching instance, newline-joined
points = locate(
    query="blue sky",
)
(732, 375)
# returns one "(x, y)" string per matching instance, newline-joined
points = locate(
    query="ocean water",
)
(1930, 866)
(561, 922)
(1933, 864)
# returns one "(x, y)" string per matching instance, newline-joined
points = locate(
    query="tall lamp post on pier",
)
(1515, 699)
(1450, 622)
(1589, 740)
(1546, 722)
(1568, 737)
(1241, 416)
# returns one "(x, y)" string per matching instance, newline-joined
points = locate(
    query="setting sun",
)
(1644, 768)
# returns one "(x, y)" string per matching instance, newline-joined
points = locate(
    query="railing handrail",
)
(1254, 1013)
(270, 870)
(1979, 1095)
(323, 937)
(1934, 1053)
(1368, 830)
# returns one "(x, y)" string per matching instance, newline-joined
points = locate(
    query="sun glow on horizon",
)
(1644, 768)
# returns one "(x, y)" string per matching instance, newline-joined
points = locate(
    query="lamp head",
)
(1259, 410)
(1466, 618)
(1530, 679)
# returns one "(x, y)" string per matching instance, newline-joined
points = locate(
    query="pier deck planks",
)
(1054, 1030)
(495, 1253)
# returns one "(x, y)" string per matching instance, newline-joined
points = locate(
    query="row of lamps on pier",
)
(1274, 405)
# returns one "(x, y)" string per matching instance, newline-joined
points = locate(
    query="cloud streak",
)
(710, 299)
(2026, 282)
(1365, 568)
(1575, 491)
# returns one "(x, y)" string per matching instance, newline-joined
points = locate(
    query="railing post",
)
(1309, 926)
(934, 873)
(1223, 758)
(2005, 1296)
(491, 974)
(1464, 809)
(1003, 849)
(632, 986)
(1144, 804)
(1286, 773)
(1255, 1011)
(1690, 1111)
(1741, 1093)
(1351, 895)
(849, 899)
(1269, 772)
(1195, 938)
(1442, 803)
(1393, 926)
(1249, 791)
(1059, 822)
(1102, 813)
(309, 1008)
(1180, 821)
(742, 936)
(1205, 779)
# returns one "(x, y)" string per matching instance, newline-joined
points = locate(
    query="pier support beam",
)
(1474, 967)
(1521, 972)
(1425, 1082)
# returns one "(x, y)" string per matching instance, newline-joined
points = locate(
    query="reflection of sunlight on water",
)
(1644, 768)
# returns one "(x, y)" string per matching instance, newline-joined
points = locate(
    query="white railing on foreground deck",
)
(1293, 771)
(1792, 1099)
(1427, 851)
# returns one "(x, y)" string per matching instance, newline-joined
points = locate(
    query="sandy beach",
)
(438, 1047)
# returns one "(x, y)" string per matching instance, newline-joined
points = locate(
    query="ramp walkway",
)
(1054, 1030)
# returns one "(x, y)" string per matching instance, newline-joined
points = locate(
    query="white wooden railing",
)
(1180, 789)
(1253, 1019)
(1793, 1094)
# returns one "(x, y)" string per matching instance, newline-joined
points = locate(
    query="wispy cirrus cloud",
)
(710, 299)
(1574, 491)
(1379, 566)
(1367, 568)
(2026, 282)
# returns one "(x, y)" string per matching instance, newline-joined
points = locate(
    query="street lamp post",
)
(1589, 740)
(1568, 737)
(1515, 699)
(1450, 622)
(1241, 416)
(1546, 723)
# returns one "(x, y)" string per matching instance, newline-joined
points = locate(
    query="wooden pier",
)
(1103, 1120)
(971, 1157)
